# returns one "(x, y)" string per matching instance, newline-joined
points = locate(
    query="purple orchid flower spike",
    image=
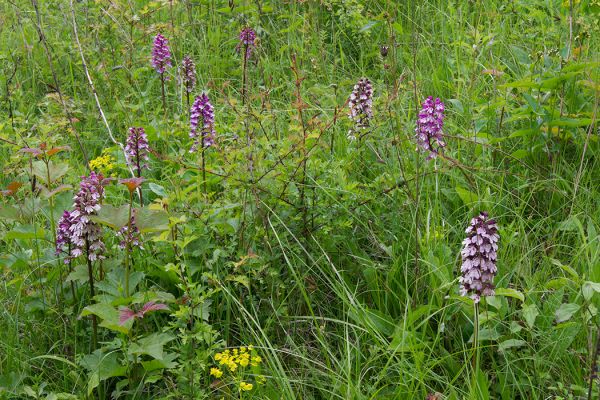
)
(479, 258)
(429, 133)
(202, 111)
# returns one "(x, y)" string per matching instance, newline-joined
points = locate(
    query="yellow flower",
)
(261, 379)
(246, 386)
(216, 372)
(103, 164)
(256, 360)
(243, 361)
(218, 356)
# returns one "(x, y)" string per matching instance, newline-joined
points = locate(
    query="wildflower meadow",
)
(299, 199)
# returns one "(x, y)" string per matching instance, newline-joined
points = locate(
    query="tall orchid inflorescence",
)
(161, 54)
(247, 41)
(202, 109)
(136, 150)
(429, 133)
(479, 258)
(188, 74)
(76, 230)
(361, 103)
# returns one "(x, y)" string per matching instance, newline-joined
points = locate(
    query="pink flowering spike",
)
(161, 54)
(247, 41)
(75, 228)
(202, 114)
(430, 122)
(136, 150)
(132, 237)
(479, 256)
(188, 74)
(125, 314)
(360, 103)
(152, 306)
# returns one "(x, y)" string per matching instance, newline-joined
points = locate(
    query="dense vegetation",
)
(268, 199)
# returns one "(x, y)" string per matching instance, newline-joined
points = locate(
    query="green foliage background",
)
(337, 259)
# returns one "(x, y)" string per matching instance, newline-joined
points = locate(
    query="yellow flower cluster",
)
(216, 372)
(104, 163)
(234, 361)
(242, 357)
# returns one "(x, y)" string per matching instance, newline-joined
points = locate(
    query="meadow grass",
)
(338, 259)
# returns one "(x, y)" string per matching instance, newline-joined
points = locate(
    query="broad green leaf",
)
(151, 345)
(109, 316)
(113, 217)
(466, 196)
(79, 274)
(509, 292)
(530, 313)
(25, 232)
(588, 288)
(56, 171)
(510, 343)
(519, 154)
(157, 189)
(148, 220)
(571, 122)
(566, 311)
(102, 366)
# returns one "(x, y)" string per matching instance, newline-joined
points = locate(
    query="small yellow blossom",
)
(216, 372)
(103, 163)
(261, 379)
(243, 362)
(256, 360)
(244, 386)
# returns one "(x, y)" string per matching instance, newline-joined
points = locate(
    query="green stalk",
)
(127, 244)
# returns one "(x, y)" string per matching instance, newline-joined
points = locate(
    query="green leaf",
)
(530, 313)
(588, 288)
(466, 196)
(109, 316)
(25, 232)
(113, 217)
(519, 154)
(571, 122)
(510, 343)
(509, 292)
(148, 220)
(566, 311)
(9, 212)
(102, 366)
(157, 189)
(79, 274)
(151, 345)
(56, 171)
